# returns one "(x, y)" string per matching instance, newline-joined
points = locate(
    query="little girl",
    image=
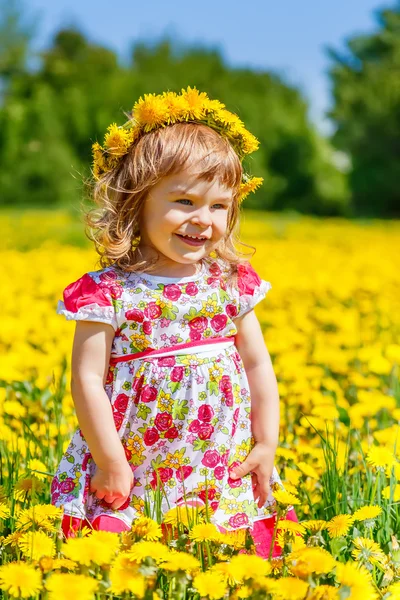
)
(172, 382)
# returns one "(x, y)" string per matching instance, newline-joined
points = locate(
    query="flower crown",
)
(159, 110)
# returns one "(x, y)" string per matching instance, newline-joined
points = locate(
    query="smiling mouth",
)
(192, 240)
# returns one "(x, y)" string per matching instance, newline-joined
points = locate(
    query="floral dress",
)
(178, 389)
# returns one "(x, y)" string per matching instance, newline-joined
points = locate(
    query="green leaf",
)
(180, 409)
(201, 445)
(173, 386)
(143, 411)
(212, 387)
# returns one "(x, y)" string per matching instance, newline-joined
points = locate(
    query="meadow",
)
(331, 323)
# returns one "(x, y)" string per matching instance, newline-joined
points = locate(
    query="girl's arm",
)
(90, 359)
(263, 385)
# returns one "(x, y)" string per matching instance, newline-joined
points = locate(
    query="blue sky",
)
(287, 36)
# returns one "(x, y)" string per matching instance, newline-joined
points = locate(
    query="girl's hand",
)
(114, 484)
(260, 462)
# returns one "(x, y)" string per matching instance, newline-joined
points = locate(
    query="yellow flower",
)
(249, 186)
(368, 551)
(99, 548)
(290, 588)
(395, 491)
(177, 107)
(324, 592)
(308, 470)
(27, 486)
(196, 103)
(35, 544)
(380, 457)
(117, 140)
(156, 550)
(293, 526)
(204, 532)
(250, 566)
(64, 586)
(125, 576)
(5, 511)
(41, 515)
(147, 529)
(285, 498)
(182, 561)
(394, 591)
(39, 468)
(64, 563)
(20, 580)
(315, 525)
(339, 525)
(365, 513)
(150, 112)
(306, 561)
(210, 585)
(357, 579)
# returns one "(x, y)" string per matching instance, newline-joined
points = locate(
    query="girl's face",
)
(184, 218)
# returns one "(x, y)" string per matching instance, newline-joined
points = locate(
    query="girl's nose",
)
(202, 217)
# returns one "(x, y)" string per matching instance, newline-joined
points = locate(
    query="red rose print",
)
(54, 485)
(172, 433)
(205, 431)
(195, 336)
(198, 324)
(67, 485)
(128, 453)
(194, 426)
(215, 269)
(121, 402)
(205, 413)
(166, 361)
(248, 279)
(137, 383)
(86, 460)
(152, 311)
(231, 310)
(219, 472)
(110, 376)
(114, 288)
(214, 505)
(191, 289)
(151, 436)
(225, 384)
(229, 399)
(207, 494)
(172, 291)
(149, 393)
(183, 472)
(134, 315)
(177, 374)
(118, 419)
(218, 322)
(164, 473)
(55, 497)
(211, 458)
(225, 458)
(163, 421)
(147, 327)
(239, 520)
(234, 483)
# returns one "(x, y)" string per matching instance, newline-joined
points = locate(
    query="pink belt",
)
(161, 351)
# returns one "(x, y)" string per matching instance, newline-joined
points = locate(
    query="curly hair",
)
(120, 194)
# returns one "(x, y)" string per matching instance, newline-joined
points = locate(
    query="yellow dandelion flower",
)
(99, 548)
(156, 550)
(356, 581)
(247, 187)
(204, 532)
(227, 118)
(308, 470)
(41, 515)
(20, 580)
(290, 588)
(324, 592)
(64, 586)
(380, 457)
(35, 544)
(117, 140)
(394, 591)
(210, 585)
(368, 551)
(177, 107)
(243, 592)
(232, 574)
(339, 525)
(46, 564)
(5, 511)
(64, 563)
(306, 561)
(182, 561)
(293, 526)
(315, 525)
(395, 491)
(150, 112)
(147, 529)
(26, 487)
(285, 498)
(39, 469)
(292, 476)
(125, 576)
(366, 513)
(250, 566)
(235, 538)
(196, 102)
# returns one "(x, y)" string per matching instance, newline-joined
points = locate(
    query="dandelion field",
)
(331, 324)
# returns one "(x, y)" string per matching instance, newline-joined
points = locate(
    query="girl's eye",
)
(184, 200)
(188, 202)
(220, 206)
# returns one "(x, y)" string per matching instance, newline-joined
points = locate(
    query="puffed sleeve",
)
(251, 289)
(89, 299)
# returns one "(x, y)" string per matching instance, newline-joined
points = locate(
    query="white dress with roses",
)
(184, 415)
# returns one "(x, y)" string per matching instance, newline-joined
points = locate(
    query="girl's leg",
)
(70, 525)
(263, 533)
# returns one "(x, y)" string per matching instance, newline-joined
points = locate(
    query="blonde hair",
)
(121, 193)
